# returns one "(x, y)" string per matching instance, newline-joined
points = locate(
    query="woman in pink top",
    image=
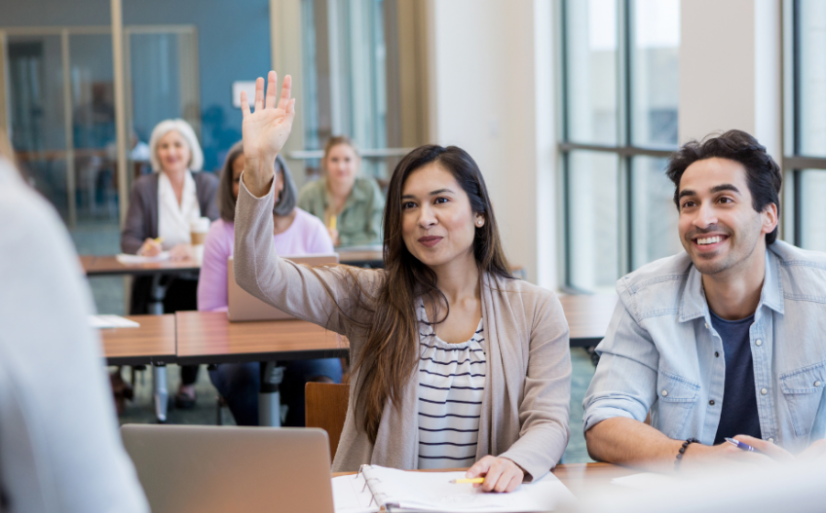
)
(295, 233)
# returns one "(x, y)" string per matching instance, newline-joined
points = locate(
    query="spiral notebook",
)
(377, 488)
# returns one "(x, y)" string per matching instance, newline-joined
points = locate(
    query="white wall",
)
(730, 71)
(493, 95)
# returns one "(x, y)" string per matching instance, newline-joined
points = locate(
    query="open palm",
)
(265, 131)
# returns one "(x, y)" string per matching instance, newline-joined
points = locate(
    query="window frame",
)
(624, 150)
(794, 161)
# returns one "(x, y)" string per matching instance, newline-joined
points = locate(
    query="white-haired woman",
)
(161, 206)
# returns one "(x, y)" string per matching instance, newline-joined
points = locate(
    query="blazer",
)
(528, 384)
(142, 215)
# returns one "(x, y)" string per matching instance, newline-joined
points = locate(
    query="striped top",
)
(451, 386)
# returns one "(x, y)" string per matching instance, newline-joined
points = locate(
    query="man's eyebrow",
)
(725, 187)
(713, 190)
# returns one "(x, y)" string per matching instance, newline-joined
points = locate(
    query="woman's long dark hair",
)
(391, 355)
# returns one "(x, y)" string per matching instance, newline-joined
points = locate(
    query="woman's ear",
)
(480, 220)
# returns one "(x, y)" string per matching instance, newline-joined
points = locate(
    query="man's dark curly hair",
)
(762, 172)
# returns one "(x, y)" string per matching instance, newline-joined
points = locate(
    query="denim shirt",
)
(662, 354)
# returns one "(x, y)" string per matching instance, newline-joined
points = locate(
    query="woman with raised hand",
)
(350, 205)
(456, 364)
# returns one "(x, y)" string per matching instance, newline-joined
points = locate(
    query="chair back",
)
(326, 408)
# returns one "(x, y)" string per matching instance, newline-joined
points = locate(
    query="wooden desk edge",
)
(285, 356)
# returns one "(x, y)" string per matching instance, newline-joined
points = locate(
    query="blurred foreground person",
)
(59, 446)
(795, 486)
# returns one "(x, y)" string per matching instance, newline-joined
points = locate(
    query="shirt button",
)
(771, 440)
(716, 354)
(764, 391)
(706, 325)
(665, 393)
(711, 402)
(817, 383)
(758, 342)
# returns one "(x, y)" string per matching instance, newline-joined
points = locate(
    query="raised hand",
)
(265, 131)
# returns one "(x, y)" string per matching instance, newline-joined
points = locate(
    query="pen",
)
(333, 222)
(741, 445)
(474, 480)
(158, 240)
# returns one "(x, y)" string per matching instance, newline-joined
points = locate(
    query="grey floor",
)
(141, 410)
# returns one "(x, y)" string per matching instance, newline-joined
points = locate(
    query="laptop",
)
(205, 469)
(243, 306)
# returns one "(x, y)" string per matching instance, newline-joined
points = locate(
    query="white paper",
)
(432, 491)
(646, 481)
(351, 496)
(111, 321)
(138, 259)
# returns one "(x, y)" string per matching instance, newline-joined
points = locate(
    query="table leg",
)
(269, 398)
(157, 295)
(160, 392)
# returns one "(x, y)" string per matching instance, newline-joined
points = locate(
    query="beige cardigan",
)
(528, 383)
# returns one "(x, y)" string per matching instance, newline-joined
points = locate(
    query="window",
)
(620, 69)
(354, 54)
(804, 159)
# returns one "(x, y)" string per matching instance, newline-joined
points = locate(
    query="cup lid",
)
(199, 225)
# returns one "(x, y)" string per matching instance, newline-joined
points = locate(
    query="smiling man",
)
(725, 339)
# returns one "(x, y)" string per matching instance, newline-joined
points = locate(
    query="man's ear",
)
(769, 218)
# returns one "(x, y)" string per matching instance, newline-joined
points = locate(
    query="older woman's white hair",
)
(196, 160)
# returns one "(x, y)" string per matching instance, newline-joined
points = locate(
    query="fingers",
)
(767, 448)
(515, 481)
(245, 105)
(272, 81)
(479, 468)
(286, 92)
(259, 94)
(491, 484)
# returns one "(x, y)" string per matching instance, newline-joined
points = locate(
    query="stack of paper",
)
(111, 321)
(137, 259)
(400, 490)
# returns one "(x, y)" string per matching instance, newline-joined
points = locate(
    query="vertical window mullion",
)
(624, 134)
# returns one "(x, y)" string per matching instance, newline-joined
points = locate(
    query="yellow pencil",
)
(158, 240)
(474, 480)
(333, 222)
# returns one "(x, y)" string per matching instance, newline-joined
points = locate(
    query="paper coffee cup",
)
(198, 229)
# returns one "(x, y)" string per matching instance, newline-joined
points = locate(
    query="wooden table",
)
(152, 343)
(588, 317)
(209, 337)
(578, 477)
(109, 266)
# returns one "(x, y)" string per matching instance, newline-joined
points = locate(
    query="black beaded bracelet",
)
(682, 451)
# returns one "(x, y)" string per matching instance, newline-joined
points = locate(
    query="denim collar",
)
(693, 301)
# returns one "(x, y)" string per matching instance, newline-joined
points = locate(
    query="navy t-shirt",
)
(739, 416)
